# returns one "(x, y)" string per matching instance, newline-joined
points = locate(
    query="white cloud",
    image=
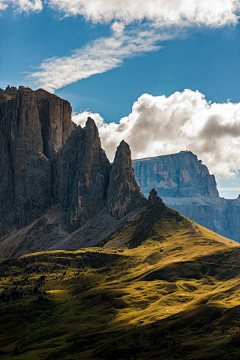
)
(118, 27)
(165, 12)
(160, 125)
(107, 53)
(22, 5)
(163, 16)
(95, 58)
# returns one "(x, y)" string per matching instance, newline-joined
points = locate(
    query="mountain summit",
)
(50, 164)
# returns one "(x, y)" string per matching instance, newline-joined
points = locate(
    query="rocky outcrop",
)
(177, 175)
(48, 161)
(124, 194)
(153, 198)
(82, 176)
(26, 169)
(8, 90)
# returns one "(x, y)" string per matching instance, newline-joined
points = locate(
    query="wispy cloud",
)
(161, 16)
(22, 5)
(95, 58)
(160, 125)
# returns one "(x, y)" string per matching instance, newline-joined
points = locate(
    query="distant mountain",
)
(185, 185)
(177, 175)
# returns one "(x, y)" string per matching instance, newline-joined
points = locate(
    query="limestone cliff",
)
(185, 185)
(82, 176)
(25, 153)
(177, 175)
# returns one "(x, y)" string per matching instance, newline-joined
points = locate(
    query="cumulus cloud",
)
(97, 57)
(160, 125)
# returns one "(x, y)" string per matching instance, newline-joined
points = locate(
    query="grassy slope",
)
(160, 287)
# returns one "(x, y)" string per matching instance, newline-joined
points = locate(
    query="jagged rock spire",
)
(82, 176)
(124, 194)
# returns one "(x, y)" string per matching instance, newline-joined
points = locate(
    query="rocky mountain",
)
(177, 175)
(33, 126)
(54, 175)
(185, 185)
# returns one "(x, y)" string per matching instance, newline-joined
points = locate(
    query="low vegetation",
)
(160, 288)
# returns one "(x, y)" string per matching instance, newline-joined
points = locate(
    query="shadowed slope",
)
(160, 287)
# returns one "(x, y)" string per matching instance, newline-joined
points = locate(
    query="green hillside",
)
(161, 287)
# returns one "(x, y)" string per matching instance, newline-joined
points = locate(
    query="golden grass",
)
(173, 293)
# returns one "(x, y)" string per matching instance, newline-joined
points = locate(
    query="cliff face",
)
(82, 176)
(47, 160)
(186, 186)
(177, 175)
(26, 149)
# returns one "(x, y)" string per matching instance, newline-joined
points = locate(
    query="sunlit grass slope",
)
(161, 287)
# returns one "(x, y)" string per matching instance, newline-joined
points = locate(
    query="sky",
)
(164, 75)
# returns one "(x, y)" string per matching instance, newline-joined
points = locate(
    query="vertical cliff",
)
(82, 176)
(177, 175)
(26, 149)
(185, 185)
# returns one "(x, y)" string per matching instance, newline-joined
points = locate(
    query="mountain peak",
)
(90, 123)
(124, 194)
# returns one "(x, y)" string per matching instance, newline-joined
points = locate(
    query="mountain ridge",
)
(55, 176)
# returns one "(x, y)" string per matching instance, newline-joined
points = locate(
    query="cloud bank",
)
(160, 125)
(164, 12)
(168, 13)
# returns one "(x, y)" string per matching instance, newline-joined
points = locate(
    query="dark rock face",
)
(47, 160)
(124, 194)
(177, 175)
(25, 172)
(55, 119)
(8, 90)
(82, 176)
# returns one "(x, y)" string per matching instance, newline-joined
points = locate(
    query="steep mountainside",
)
(55, 176)
(159, 287)
(33, 126)
(185, 185)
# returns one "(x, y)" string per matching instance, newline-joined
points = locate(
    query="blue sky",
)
(105, 55)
